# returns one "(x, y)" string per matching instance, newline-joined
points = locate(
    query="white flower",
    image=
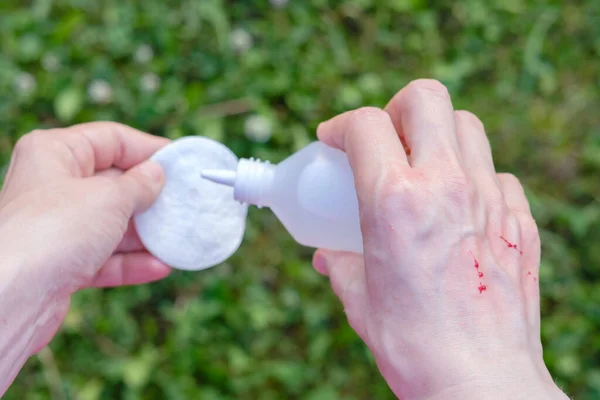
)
(25, 83)
(50, 62)
(241, 40)
(100, 91)
(149, 82)
(278, 3)
(258, 128)
(143, 54)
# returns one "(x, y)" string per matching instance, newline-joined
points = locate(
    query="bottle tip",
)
(220, 176)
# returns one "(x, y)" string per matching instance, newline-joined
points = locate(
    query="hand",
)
(65, 224)
(446, 296)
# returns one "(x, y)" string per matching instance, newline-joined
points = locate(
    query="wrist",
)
(502, 388)
(518, 376)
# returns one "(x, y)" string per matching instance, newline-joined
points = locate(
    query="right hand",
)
(447, 295)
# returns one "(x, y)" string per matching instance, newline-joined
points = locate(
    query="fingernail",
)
(320, 263)
(152, 170)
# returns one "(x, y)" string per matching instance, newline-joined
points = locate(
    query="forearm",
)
(22, 316)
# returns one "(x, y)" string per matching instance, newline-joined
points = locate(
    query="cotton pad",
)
(194, 224)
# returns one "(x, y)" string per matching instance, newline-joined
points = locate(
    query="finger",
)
(130, 269)
(109, 172)
(529, 272)
(476, 155)
(131, 241)
(81, 150)
(514, 194)
(422, 114)
(101, 145)
(346, 273)
(140, 186)
(371, 143)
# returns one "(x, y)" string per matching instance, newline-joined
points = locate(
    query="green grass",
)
(265, 325)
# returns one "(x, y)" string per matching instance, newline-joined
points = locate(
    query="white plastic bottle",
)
(311, 192)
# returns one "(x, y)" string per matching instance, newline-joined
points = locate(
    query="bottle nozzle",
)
(251, 181)
(220, 176)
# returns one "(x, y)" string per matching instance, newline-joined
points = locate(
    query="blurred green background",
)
(259, 76)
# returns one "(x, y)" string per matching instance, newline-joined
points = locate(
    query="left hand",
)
(65, 224)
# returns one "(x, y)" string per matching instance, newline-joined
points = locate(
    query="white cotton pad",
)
(194, 224)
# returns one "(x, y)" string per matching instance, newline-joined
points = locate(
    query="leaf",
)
(68, 103)
(91, 390)
(137, 371)
(322, 393)
(3, 171)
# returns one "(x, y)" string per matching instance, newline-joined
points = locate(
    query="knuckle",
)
(427, 85)
(512, 227)
(470, 118)
(392, 183)
(97, 126)
(365, 120)
(529, 227)
(30, 140)
(397, 194)
(370, 115)
(494, 198)
(456, 187)
(510, 180)
(508, 177)
(513, 224)
(459, 189)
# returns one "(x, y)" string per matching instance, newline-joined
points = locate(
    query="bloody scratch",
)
(474, 260)
(511, 245)
(481, 287)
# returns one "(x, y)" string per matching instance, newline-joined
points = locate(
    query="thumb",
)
(142, 184)
(346, 273)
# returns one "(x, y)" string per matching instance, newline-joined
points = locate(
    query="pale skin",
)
(433, 221)
(65, 212)
(435, 216)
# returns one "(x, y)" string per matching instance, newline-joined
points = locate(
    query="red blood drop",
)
(480, 274)
(511, 245)
(475, 260)
(481, 288)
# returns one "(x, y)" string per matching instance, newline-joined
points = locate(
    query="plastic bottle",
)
(311, 192)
